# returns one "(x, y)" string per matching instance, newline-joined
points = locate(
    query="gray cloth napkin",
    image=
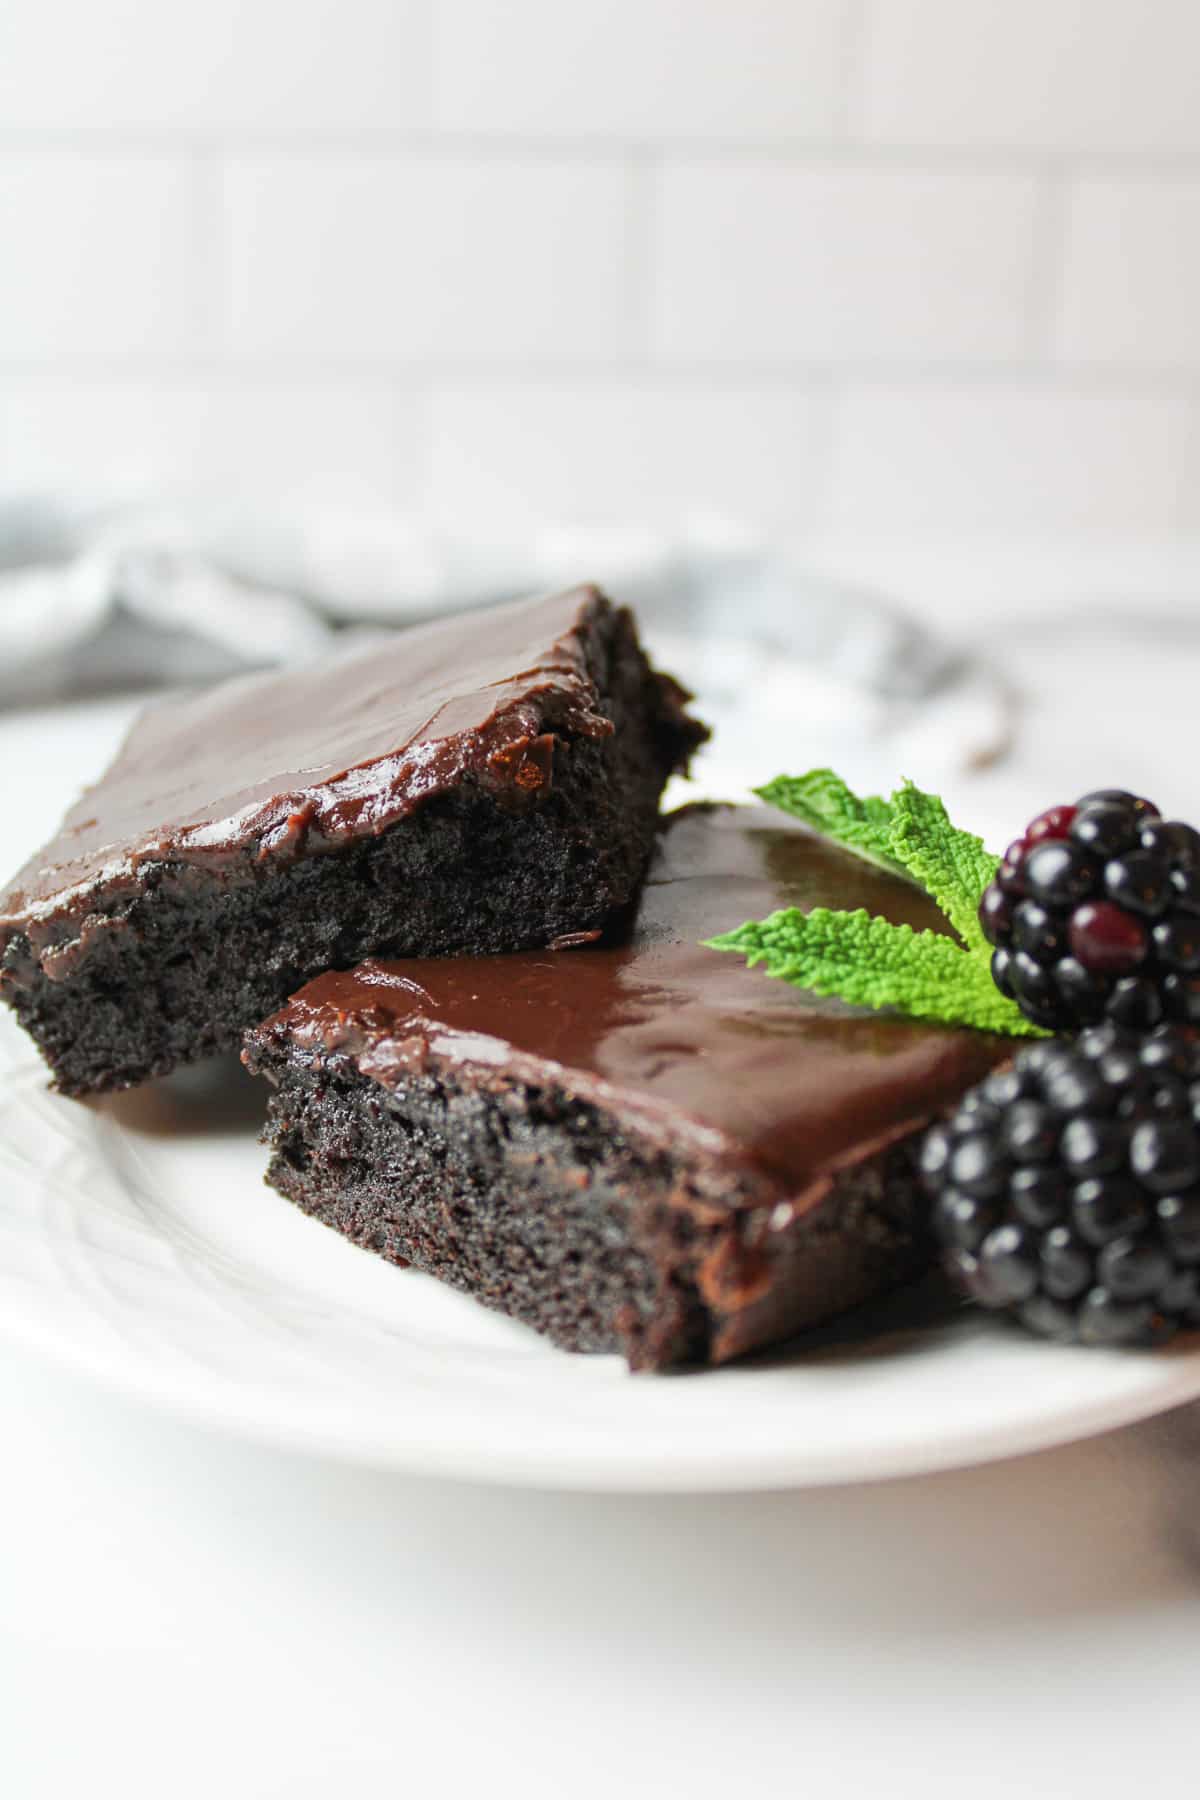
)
(95, 598)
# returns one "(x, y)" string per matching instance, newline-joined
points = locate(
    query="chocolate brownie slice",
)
(482, 783)
(645, 1146)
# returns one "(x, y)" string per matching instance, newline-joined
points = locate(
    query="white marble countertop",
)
(185, 1614)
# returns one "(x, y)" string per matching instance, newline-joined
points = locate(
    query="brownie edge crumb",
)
(169, 949)
(544, 1208)
(640, 1146)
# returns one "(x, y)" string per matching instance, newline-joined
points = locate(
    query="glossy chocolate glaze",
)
(683, 1041)
(271, 766)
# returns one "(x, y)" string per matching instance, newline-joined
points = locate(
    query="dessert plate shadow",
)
(138, 1243)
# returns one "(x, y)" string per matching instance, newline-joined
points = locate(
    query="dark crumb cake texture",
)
(481, 784)
(641, 1146)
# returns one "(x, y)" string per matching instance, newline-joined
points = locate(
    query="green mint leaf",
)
(951, 865)
(868, 961)
(822, 801)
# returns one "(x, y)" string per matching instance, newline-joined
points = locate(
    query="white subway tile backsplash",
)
(245, 64)
(1130, 287)
(946, 458)
(102, 255)
(762, 259)
(1031, 74)
(258, 442)
(641, 453)
(646, 68)
(415, 256)
(915, 266)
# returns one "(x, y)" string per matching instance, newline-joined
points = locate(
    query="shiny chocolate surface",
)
(679, 1038)
(268, 766)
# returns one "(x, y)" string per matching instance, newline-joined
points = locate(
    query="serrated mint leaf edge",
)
(973, 1001)
(952, 866)
(863, 828)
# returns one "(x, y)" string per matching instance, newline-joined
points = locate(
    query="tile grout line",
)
(829, 434)
(434, 143)
(1047, 266)
(641, 203)
(433, 52)
(210, 253)
(853, 38)
(1184, 510)
(416, 389)
(421, 395)
(409, 373)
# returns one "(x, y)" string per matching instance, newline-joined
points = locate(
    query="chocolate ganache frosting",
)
(270, 767)
(674, 1038)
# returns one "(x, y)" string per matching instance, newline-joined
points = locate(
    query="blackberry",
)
(1095, 913)
(1066, 1188)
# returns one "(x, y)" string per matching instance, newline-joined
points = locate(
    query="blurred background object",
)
(94, 600)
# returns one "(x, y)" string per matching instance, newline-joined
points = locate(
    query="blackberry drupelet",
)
(1066, 1188)
(1095, 913)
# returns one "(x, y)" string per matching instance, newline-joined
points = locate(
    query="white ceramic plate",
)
(138, 1242)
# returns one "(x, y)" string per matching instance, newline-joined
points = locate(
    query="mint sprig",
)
(951, 865)
(870, 962)
(822, 801)
(866, 960)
